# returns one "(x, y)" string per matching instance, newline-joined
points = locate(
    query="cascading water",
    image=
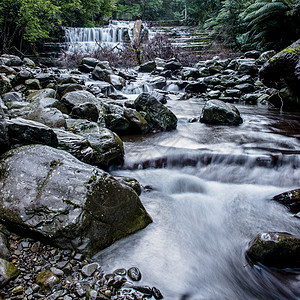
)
(86, 39)
(208, 190)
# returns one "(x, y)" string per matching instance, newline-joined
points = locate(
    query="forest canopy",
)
(260, 24)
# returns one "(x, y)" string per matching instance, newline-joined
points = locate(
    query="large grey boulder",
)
(219, 112)
(280, 72)
(48, 192)
(158, 115)
(50, 116)
(72, 99)
(12, 60)
(101, 73)
(107, 145)
(275, 249)
(25, 132)
(147, 67)
(75, 144)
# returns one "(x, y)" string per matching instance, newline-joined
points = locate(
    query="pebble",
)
(71, 276)
(134, 274)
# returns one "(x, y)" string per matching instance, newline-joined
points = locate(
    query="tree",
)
(270, 24)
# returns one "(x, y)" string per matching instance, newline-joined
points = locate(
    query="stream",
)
(208, 190)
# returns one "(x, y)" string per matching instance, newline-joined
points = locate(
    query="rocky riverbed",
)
(61, 132)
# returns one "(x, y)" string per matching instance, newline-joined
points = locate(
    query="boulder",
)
(147, 67)
(219, 112)
(107, 146)
(45, 79)
(8, 271)
(247, 66)
(196, 87)
(90, 61)
(85, 68)
(7, 70)
(50, 116)
(22, 76)
(32, 84)
(275, 249)
(12, 96)
(69, 87)
(24, 132)
(189, 73)
(252, 54)
(280, 72)
(36, 96)
(116, 123)
(158, 116)
(173, 65)
(88, 111)
(290, 199)
(12, 60)
(137, 123)
(101, 73)
(75, 144)
(158, 82)
(28, 62)
(5, 85)
(49, 193)
(52, 102)
(116, 81)
(76, 98)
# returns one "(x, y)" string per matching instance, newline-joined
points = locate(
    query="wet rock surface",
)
(49, 193)
(219, 112)
(275, 249)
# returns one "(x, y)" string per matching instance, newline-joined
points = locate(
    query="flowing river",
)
(208, 190)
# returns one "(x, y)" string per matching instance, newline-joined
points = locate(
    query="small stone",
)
(67, 297)
(156, 293)
(46, 279)
(107, 293)
(61, 264)
(89, 269)
(35, 287)
(57, 271)
(92, 294)
(79, 256)
(121, 272)
(35, 247)
(18, 290)
(134, 274)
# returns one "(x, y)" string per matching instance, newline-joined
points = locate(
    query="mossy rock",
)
(275, 249)
(280, 72)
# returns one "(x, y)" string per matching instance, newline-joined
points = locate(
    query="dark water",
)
(210, 194)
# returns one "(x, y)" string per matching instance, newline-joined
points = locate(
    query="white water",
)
(86, 39)
(207, 203)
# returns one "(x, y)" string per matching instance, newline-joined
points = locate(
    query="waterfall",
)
(85, 39)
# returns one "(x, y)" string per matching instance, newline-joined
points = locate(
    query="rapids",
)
(208, 190)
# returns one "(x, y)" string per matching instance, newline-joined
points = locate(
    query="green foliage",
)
(270, 24)
(31, 21)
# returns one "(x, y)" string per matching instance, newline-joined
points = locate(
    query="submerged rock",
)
(219, 112)
(290, 199)
(275, 249)
(49, 193)
(158, 116)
